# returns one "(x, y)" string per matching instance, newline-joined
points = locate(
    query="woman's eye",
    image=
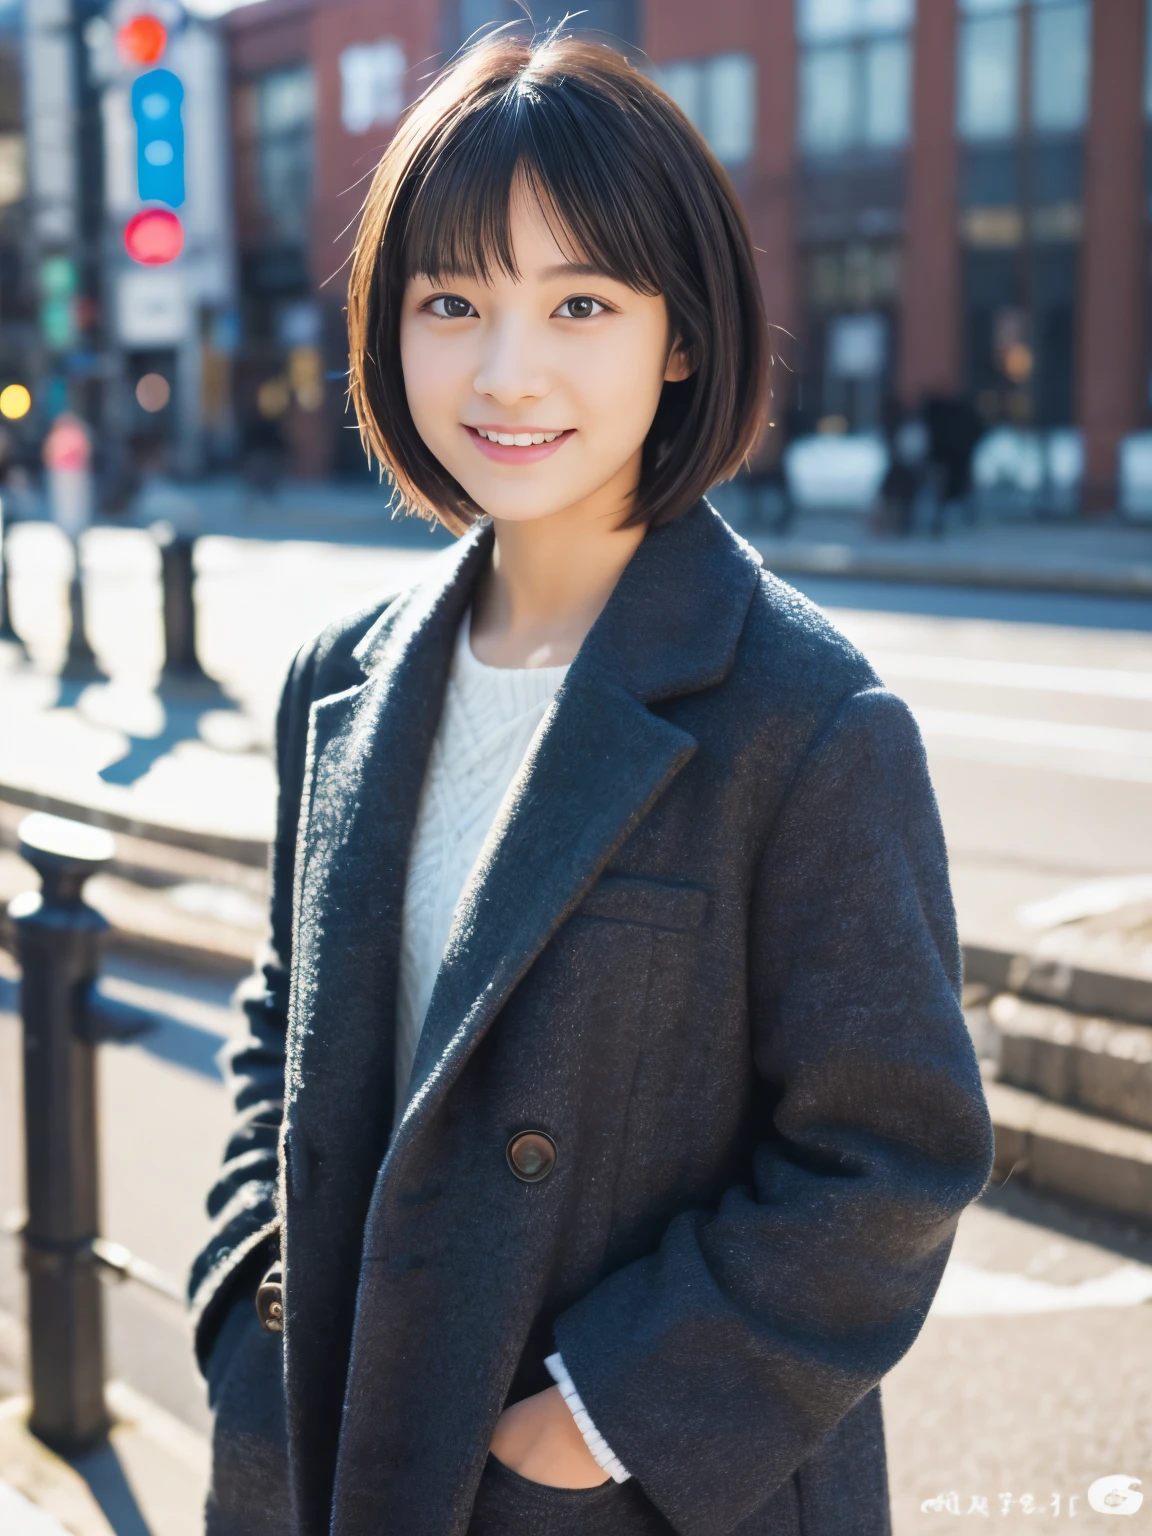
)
(450, 306)
(580, 308)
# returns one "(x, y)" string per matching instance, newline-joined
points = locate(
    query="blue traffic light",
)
(156, 101)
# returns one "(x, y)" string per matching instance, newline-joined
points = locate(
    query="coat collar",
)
(670, 626)
(601, 760)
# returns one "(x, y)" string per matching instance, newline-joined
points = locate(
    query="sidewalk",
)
(149, 1480)
(1102, 556)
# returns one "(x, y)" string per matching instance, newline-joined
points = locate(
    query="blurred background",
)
(950, 201)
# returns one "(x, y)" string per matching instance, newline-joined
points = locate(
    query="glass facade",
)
(718, 93)
(855, 75)
(853, 128)
(285, 116)
(1022, 99)
(463, 19)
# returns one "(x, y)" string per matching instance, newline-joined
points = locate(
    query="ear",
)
(679, 365)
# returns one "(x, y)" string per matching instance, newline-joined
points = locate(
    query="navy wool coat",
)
(712, 954)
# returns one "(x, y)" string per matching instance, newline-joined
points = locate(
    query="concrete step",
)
(1069, 1152)
(1095, 1064)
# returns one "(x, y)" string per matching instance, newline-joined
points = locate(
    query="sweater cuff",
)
(593, 1439)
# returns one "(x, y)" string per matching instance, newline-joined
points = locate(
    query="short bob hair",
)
(626, 183)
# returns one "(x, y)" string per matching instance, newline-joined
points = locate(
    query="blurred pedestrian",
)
(583, 1119)
(954, 428)
(264, 453)
(907, 441)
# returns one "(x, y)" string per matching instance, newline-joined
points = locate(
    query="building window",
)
(461, 20)
(372, 85)
(718, 94)
(995, 38)
(1022, 103)
(855, 75)
(1061, 58)
(285, 113)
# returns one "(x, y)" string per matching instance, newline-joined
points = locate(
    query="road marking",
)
(1033, 676)
(1055, 746)
(968, 1291)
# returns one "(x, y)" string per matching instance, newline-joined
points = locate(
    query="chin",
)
(526, 506)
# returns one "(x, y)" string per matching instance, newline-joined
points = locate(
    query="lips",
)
(517, 453)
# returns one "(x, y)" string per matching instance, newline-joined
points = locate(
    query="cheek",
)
(429, 379)
(621, 383)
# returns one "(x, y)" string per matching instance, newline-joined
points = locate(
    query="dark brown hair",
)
(626, 183)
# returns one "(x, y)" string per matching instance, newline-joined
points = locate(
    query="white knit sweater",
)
(487, 722)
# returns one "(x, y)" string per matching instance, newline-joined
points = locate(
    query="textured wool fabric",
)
(712, 954)
(509, 1505)
(489, 717)
(250, 1494)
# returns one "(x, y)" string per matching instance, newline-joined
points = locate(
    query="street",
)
(1036, 709)
(1027, 1383)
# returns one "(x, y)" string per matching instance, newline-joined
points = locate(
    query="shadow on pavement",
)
(168, 1039)
(104, 1475)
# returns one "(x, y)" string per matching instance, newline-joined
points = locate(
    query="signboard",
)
(151, 308)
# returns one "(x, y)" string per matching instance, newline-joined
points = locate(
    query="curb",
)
(218, 845)
(842, 560)
(153, 1473)
(1111, 993)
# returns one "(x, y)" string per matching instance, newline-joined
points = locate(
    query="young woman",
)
(608, 1104)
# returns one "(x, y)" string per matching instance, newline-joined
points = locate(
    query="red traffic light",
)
(142, 40)
(154, 237)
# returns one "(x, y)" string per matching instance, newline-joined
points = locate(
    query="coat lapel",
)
(366, 754)
(601, 760)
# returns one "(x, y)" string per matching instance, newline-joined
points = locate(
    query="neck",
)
(547, 584)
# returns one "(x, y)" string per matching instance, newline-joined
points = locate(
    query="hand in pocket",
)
(539, 1439)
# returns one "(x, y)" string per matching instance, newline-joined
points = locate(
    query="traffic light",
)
(142, 40)
(156, 101)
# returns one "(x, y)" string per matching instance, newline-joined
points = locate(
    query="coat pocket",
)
(669, 904)
(510, 1505)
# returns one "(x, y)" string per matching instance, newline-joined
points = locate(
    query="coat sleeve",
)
(243, 1201)
(716, 1365)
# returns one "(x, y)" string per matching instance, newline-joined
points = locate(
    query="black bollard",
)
(58, 939)
(178, 578)
(80, 663)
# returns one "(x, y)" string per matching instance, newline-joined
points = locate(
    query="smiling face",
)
(536, 392)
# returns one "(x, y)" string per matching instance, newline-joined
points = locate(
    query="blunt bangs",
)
(625, 183)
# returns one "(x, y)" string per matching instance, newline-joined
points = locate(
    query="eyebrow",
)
(573, 269)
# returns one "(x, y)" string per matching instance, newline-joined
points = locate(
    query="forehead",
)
(486, 221)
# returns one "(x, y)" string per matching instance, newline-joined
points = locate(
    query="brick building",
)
(948, 196)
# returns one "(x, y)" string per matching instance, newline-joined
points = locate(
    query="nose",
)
(510, 368)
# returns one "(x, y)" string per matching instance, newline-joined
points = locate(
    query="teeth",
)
(517, 439)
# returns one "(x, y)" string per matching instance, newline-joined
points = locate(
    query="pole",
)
(80, 662)
(58, 940)
(7, 632)
(178, 581)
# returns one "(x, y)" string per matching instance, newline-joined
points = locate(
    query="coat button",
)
(531, 1156)
(270, 1301)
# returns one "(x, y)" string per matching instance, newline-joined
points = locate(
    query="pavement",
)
(1036, 709)
(1028, 1383)
(1029, 1379)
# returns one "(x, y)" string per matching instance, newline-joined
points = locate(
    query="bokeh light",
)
(154, 237)
(15, 402)
(273, 398)
(153, 392)
(142, 40)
